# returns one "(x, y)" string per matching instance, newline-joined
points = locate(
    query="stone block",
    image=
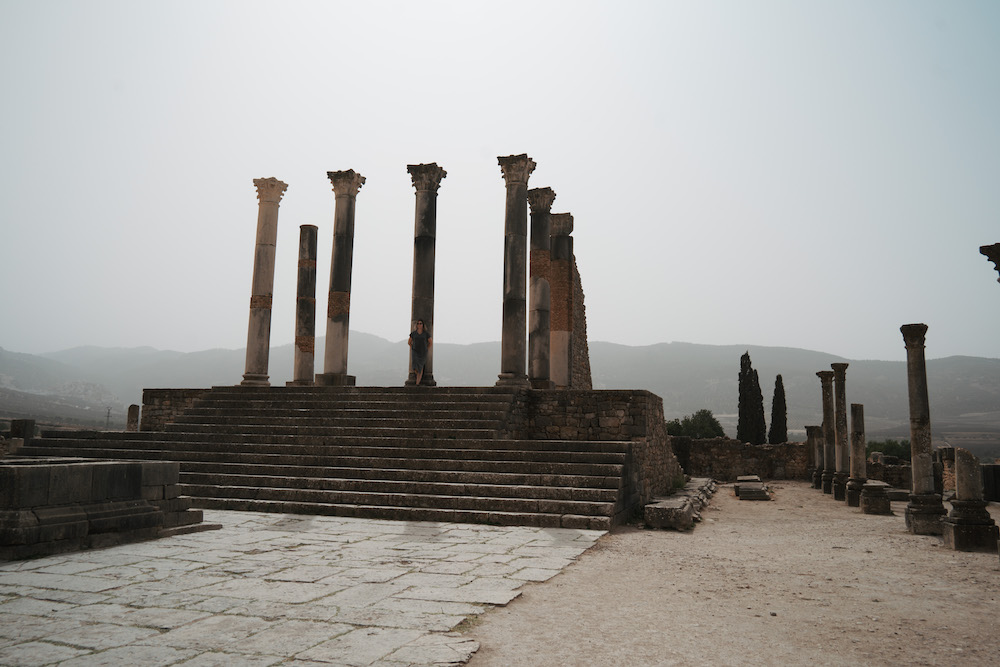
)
(116, 481)
(152, 493)
(160, 473)
(676, 513)
(68, 522)
(22, 428)
(70, 483)
(754, 491)
(970, 536)
(18, 527)
(23, 486)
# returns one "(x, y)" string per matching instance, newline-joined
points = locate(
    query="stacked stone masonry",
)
(725, 459)
(580, 349)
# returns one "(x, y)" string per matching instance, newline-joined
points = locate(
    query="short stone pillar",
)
(561, 300)
(842, 452)
(427, 180)
(814, 439)
(539, 292)
(23, 429)
(925, 510)
(874, 498)
(969, 526)
(858, 456)
(346, 185)
(992, 253)
(269, 193)
(304, 360)
(516, 170)
(132, 421)
(829, 431)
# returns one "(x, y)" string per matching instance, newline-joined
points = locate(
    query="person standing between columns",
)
(346, 185)
(305, 310)
(516, 170)
(829, 432)
(420, 343)
(426, 179)
(539, 295)
(269, 192)
(925, 510)
(841, 450)
(561, 293)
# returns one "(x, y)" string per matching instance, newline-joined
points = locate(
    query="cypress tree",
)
(779, 415)
(751, 426)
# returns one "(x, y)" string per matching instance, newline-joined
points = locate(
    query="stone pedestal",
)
(969, 526)
(539, 293)
(923, 514)
(814, 440)
(561, 292)
(304, 362)
(829, 431)
(516, 170)
(426, 180)
(132, 421)
(346, 185)
(269, 193)
(874, 499)
(841, 449)
(858, 456)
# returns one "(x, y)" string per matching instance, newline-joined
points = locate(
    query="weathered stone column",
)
(924, 511)
(305, 310)
(814, 437)
(539, 293)
(561, 301)
(858, 456)
(269, 192)
(426, 179)
(346, 185)
(132, 421)
(829, 431)
(842, 451)
(969, 526)
(516, 170)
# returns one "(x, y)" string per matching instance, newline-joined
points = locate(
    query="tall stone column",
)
(969, 526)
(305, 309)
(814, 438)
(346, 185)
(426, 179)
(829, 431)
(924, 511)
(539, 293)
(858, 457)
(516, 170)
(269, 192)
(842, 449)
(561, 299)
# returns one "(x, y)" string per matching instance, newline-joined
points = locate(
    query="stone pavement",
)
(275, 589)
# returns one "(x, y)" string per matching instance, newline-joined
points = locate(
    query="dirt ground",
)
(802, 579)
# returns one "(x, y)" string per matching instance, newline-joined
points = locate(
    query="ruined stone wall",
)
(580, 349)
(895, 475)
(161, 406)
(724, 459)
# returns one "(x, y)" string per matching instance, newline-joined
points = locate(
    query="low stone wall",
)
(895, 475)
(724, 459)
(161, 406)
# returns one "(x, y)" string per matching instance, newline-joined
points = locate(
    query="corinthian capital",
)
(562, 224)
(516, 168)
(269, 189)
(992, 253)
(913, 334)
(426, 177)
(825, 377)
(346, 182)
(540, 199)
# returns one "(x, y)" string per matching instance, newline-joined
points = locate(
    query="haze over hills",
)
(80, 383)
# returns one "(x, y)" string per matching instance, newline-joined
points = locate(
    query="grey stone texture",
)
(681, 509)
(858, 455)
(725, 459)
(426, 180)
(304, 359)
(969, 526)
(829, 431)
(842, 448)
(539, 291)
(814, 438)
(874, 498)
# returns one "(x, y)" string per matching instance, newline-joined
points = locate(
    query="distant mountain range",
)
(79, 384)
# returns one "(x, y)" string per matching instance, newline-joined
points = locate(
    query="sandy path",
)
(799, 580)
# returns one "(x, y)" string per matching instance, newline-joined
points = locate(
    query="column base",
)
(817, 478)
(542, 384)
(512, 380)
(874, 499)
(969, 527)
(827, 481)
(427, 380)
(854, 486)
(924, 513)
(255, 380)
(334, 380)
(840, 486)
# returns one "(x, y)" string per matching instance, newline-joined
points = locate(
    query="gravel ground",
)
(802, 579)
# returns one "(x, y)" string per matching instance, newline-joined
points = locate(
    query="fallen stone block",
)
(754, 491)
(682, 509)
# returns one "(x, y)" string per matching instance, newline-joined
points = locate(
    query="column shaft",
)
(305, 309)
(516, 170)
(539, 292)
(858, 468)
(814, 437)
(426, 179)
(843, 452)
(829, 431)
(561, 301)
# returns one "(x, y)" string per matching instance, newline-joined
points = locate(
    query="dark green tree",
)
(751, 426)
(701, 424)
(779, 415)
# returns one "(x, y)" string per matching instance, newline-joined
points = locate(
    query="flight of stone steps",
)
(438, 454)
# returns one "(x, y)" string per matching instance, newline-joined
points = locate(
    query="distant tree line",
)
(898, 448)
(701, 424)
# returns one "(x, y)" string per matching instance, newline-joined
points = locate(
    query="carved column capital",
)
(346, 182)
(992, 253)
(540, 199)
(839, 370)
(516, 168)
(426, 177)
(562, 224)
(913, 335)
(269, 190)
(825, 377)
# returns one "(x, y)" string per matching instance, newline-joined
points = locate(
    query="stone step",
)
(305, 420)
(369, 411)
(464, 488)
(411, 513)
(429, 394)
(333, 431)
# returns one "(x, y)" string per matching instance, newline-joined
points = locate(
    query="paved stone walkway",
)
(275, 589)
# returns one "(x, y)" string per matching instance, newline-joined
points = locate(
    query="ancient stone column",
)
(858, 456)
(304, 364)
(969, 526)
(842, 451)
(814, 437)
(269, 192)
(992, 253)
(829, 431)
(924, 511)
(516, 170)
(132, 421)
(561, 300)
(426, 179)
(539, 295)
(346, 185)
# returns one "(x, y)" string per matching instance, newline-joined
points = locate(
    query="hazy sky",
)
(803, 174)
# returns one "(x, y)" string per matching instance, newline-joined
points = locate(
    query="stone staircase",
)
(438, 454)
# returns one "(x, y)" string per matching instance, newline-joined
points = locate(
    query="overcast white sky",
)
(802, 174)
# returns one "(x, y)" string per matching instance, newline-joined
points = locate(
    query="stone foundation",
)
(724, 459)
